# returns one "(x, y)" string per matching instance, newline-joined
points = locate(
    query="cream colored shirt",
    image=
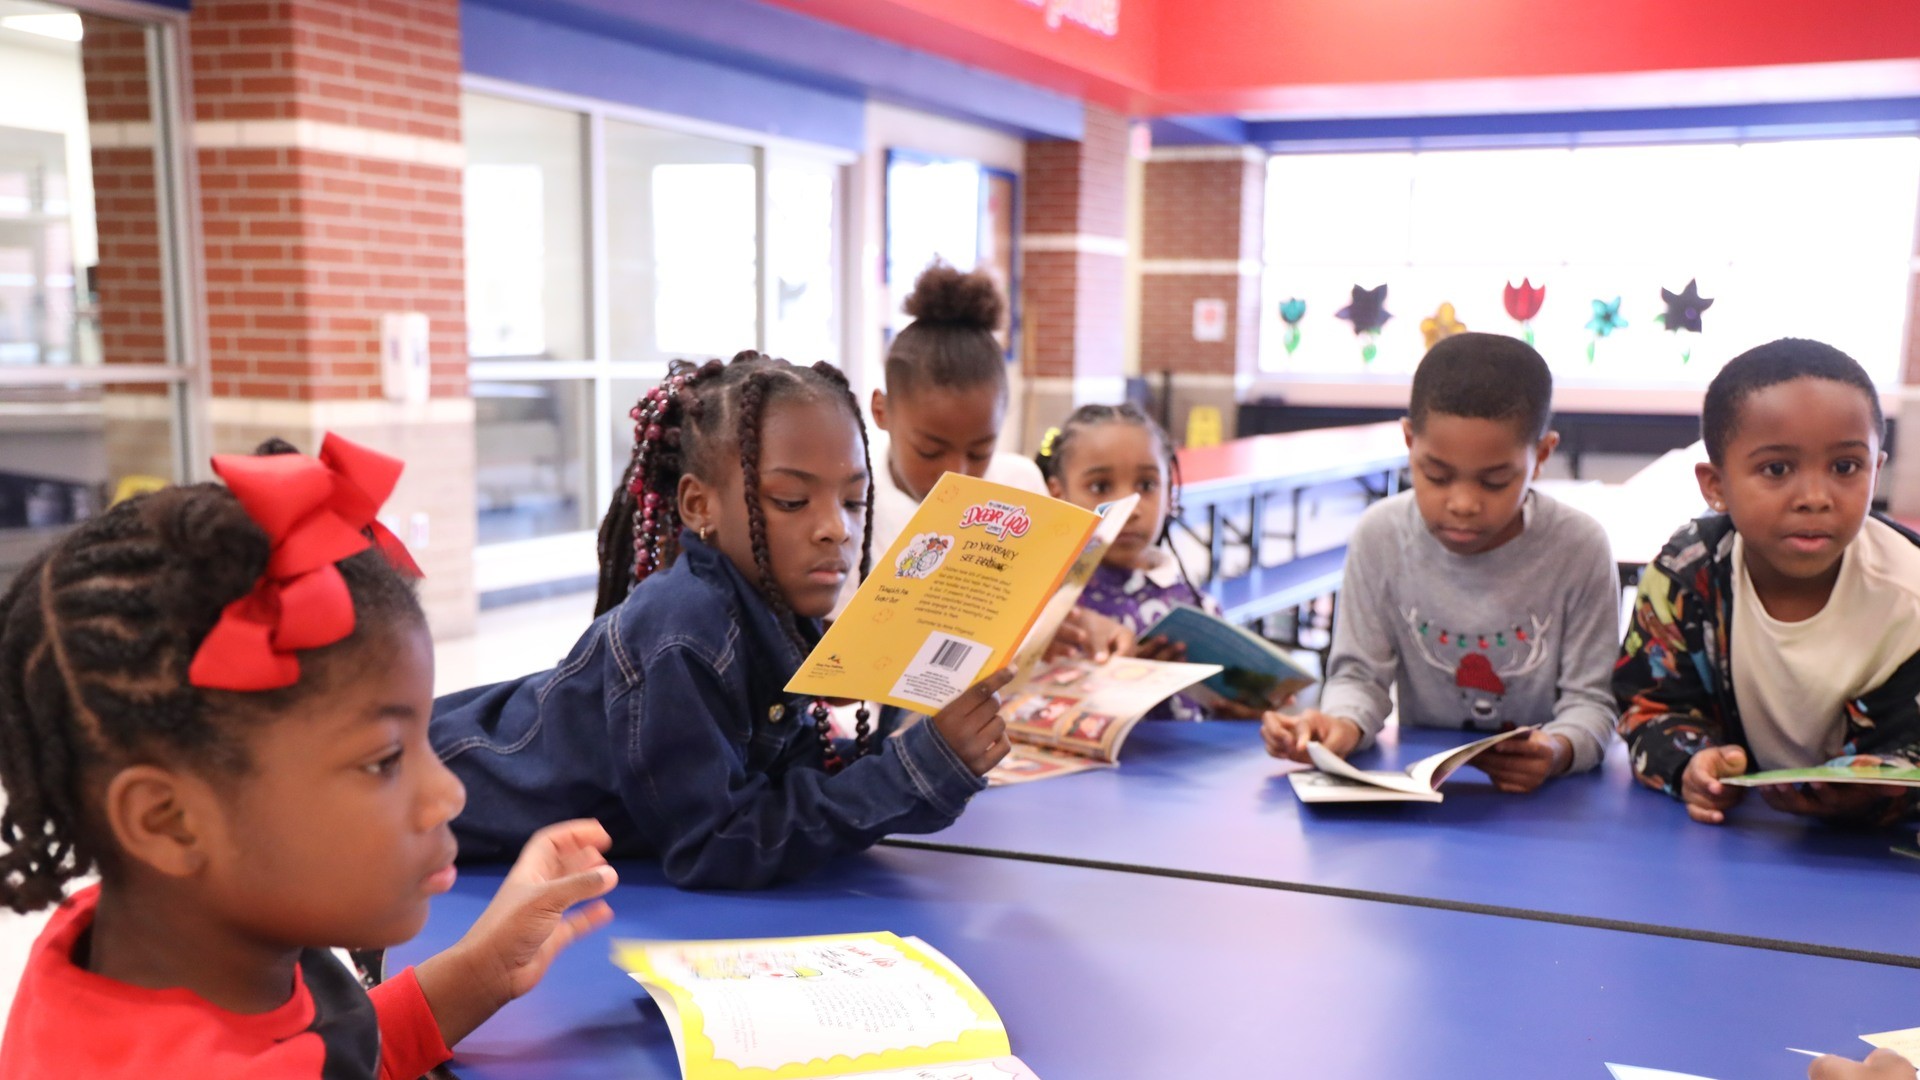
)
(1793, 679)
(893, 508)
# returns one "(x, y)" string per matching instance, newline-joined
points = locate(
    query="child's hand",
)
(1523, 763)
(1707, 799)
(1159, 648)
(972, 726)
(514, 941)
(1287, 736)
(1879, 1065)
(1090, 634)
(1857, 802)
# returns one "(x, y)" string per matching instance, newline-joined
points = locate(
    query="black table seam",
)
(1626, 926)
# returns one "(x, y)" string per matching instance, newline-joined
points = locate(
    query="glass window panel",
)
(682, 245)
(68, 452)
(934, 211)
(77, 275)
(533, 443)
(1808, 238)
(803, 201)
(525, 230)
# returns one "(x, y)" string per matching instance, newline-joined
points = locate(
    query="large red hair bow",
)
(315, 513)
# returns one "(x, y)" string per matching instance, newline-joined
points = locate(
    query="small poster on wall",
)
(1210, 320)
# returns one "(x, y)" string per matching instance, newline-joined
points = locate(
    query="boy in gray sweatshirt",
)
(1488, 604)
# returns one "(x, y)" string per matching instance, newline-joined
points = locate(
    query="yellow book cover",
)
(837, 1005)
(952, 598)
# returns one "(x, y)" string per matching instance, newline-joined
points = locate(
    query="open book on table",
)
(1253, 672)
(1334, 780)
(1891, 775)
(1068, 716)
(873, 1006)
(977, 574)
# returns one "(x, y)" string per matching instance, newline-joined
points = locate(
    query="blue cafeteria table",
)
(1206, 799)
(1108, 975)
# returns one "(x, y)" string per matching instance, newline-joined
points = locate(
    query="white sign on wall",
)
(1099, 16)
(1210, 320)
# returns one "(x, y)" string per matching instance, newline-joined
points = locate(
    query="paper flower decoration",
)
(1523, 303)
(1606, 319)
(1367, 311)
(1292, 310)
(1683, 312)
(1441, 324)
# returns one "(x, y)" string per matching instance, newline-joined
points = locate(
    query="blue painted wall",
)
(742, 63)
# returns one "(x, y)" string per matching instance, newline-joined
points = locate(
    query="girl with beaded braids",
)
(217, 697)
(744, 512)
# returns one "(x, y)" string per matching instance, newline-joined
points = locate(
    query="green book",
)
(1895, 775)
(1253, 671)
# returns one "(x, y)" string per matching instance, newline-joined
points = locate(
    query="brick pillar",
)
(1201, 240)
(329, 153)
(1073, 278)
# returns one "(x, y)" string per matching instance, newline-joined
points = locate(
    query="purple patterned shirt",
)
(1137, 599)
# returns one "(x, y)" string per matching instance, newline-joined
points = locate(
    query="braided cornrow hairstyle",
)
(1053, 456)
(688, 424)
(96, 635)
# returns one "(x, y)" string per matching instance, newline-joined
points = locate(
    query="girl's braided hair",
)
(1054, 447)
(691, 423)
(96, 636)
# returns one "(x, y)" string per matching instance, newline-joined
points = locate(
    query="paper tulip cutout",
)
(1441, 324)
(1291, 312)
(1523, 303)
(1606, 319)
(1683, 312)
(1367, 311)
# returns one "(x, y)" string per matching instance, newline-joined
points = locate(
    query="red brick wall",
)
(1073, 300)
(388, 65)
(306, 248)
(1209, 211)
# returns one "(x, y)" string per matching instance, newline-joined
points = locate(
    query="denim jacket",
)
(668, 723)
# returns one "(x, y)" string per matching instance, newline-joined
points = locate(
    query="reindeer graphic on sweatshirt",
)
(1470, 659)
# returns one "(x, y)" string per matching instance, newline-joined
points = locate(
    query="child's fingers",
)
(556, 896)
(1706, 815)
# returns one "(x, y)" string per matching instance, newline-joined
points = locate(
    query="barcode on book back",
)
(944, 666)
(952, 654)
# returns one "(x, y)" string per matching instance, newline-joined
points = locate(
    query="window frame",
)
(570, 556)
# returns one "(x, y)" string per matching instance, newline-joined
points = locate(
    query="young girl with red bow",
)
(217, 697)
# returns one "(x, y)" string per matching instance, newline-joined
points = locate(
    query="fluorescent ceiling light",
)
(66, 27)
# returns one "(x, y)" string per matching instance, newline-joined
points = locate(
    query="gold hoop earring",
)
(703, 534)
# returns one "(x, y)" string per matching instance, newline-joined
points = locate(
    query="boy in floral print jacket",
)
(1824, 595)
(1672, 680)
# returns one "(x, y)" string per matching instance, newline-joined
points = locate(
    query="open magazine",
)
(1068, 716)
(1891, 775)
(967, 582)
(1253, 670)
(874, 1006)
(1337, 781)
